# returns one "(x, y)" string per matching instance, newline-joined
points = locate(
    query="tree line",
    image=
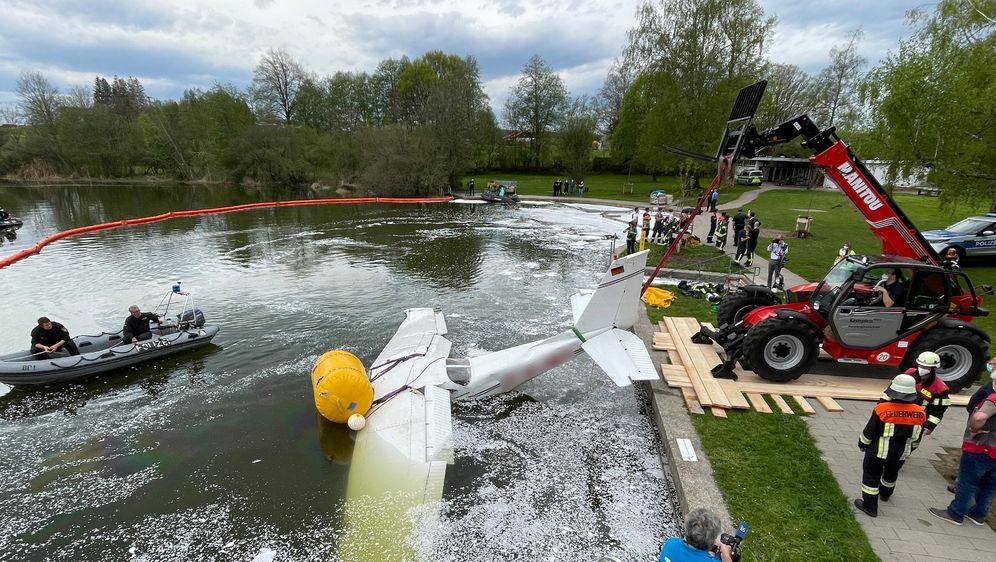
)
(416, 125)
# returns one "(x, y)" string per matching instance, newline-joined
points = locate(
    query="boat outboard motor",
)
(192, 317)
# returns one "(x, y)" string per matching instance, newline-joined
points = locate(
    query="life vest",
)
(984, 442)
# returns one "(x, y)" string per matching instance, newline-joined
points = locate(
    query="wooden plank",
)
(700, 390)
(782, 405)
(735, 397)
(758, 402)
(718, 412)
(663, 338)
(803, 390)
(675, 375)
(830, 404)
(804, 404)
(699, 366)
(690, 401)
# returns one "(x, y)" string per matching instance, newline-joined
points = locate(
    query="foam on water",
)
(123, 467)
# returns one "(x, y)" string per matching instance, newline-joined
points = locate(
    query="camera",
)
(734, 541)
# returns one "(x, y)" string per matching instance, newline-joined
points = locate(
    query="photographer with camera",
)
(701, 541)
(778, 253)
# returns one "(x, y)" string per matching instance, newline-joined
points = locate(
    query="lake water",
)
(219, 454)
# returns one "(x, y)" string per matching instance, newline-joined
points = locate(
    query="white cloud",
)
(189, 43)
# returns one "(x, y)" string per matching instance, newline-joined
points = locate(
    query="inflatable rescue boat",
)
(107, 351)
(11, 223)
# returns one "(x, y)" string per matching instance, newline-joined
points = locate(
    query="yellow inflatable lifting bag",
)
(341, 386)
(658, 298)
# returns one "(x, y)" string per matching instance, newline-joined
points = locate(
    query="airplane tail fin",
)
(614, 303)
(622, 355)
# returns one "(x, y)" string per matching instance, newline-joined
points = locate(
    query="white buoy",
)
(356, 422)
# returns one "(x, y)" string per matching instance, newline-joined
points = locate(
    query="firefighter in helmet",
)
(887, 441)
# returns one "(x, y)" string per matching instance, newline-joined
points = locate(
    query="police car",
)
(971, 237)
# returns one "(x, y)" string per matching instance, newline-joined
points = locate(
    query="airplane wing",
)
(400, 457)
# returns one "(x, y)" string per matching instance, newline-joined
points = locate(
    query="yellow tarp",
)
(658, 298)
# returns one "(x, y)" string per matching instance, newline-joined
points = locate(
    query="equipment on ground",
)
(107, 351)
(854, 315)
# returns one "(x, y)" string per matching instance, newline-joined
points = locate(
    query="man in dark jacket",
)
(753, 233)
(48, 337)
(740, 239)
(712, 227)
(136, 326)
(887, 441)
(739, 220)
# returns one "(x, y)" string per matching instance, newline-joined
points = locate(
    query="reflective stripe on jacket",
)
(892, 429)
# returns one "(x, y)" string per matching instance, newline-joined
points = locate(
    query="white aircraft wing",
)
(415, 356)
(622, 355)
(400, 457)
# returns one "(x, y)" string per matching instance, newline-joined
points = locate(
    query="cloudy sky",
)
(179, 44)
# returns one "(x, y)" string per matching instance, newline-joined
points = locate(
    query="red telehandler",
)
(930, 304)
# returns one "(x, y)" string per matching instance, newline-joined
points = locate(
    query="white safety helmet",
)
(929, 359)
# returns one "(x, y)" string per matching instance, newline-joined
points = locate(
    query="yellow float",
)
(341, 387)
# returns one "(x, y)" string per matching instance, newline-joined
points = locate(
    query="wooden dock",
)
(690, 369)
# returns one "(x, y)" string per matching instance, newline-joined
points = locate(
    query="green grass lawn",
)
(835, 221)
(704, 257)
(600, 186)
(771, 475)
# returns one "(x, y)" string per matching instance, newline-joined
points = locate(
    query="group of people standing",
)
(746, 235)
(911, 409)
(568, 187)
(660, 227)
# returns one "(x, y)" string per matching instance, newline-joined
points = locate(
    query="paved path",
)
(701, 227)
(903, 530)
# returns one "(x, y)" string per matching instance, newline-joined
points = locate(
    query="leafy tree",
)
(576, 136)
(536, 104)
(101, 91)
(693, 56)
(278, 79)
(932, 100)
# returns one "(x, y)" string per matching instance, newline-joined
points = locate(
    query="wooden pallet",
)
(690, 370)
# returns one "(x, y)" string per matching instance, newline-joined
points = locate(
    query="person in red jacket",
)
(977, 471)
(887, 441)
(934, 394)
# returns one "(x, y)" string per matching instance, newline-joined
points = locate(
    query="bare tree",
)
(277, 81)
(10, 114)
(611, 96)
(835, 88)
(536, 103)
(39, 100)
(788, 94)
(78, 96)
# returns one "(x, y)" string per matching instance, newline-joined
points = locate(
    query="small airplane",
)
(399, 458)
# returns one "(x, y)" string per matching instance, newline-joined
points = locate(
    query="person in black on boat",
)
(4, 215)
(48, 337)
(136, 326)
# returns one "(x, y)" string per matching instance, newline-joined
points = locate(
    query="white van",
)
(750, 177)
